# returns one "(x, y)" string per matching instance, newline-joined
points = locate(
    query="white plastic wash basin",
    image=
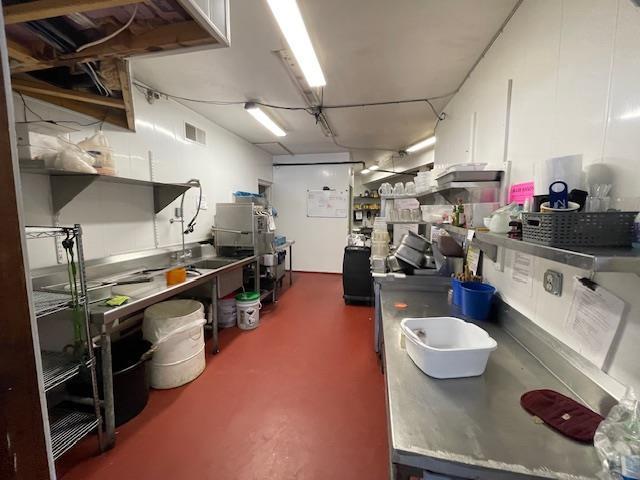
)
(447, 347)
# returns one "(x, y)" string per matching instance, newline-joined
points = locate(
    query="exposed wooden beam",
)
(99, 112)
(165, 37)
(31, 87)
(125, 83)
(20, 52)
(40, 9)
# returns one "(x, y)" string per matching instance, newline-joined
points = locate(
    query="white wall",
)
(320, 242)
(575, 66)
(119, 218)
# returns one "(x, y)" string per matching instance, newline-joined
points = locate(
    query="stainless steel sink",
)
(215, 263)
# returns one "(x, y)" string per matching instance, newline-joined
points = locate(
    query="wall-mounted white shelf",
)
(447, 188)
(595, 259)
(65, 186)
(405, 222)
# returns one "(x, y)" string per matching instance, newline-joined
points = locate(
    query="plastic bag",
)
(617, 441)
(73, 159)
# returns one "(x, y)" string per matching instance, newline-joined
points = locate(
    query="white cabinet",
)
(213, 16)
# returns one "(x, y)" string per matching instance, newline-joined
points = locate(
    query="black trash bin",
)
(357, 282)
(130, 378)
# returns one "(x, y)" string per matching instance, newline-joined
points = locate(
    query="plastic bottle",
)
(636, 232)
(462, 218)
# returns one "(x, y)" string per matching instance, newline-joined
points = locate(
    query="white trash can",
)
(176, 328)
(227, 312)
(248, 306)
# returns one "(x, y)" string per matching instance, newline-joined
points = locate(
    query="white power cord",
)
(110, 36)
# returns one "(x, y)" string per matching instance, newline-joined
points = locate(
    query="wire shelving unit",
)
(72, 423)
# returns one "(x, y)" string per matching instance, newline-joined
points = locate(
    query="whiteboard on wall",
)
(327, 203)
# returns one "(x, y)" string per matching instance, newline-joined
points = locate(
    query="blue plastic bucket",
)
(456, 292)
(476, 299)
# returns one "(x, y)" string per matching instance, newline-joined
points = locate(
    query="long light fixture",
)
(257, 113)
(290, 22)
(364, 171)
(375, 166)
(427, 142)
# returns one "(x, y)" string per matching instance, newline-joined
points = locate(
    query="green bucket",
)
(248, 297)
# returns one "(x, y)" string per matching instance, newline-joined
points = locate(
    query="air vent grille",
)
(195, 134)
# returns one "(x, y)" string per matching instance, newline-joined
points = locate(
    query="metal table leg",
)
(107, 386)
(214, 315)
(257, 277)
(290, 265)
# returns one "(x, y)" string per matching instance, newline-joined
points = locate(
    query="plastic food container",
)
(476, 299)
(176, 276)
(447, 347)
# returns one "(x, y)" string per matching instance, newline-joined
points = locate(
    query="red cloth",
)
(564, 414)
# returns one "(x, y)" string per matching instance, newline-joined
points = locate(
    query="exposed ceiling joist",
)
(41, 9)
(34, 86)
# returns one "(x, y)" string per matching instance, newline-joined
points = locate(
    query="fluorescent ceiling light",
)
(262, 117)
(427, 142)
(290, 22)
(374, 167)
(364, 171)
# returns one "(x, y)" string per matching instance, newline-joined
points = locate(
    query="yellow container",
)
(176, 276)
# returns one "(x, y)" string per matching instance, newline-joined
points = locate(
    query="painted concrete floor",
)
(300, 397)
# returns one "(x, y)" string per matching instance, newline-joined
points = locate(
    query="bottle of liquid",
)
(636, 232)
(462, 218)
(455, 216)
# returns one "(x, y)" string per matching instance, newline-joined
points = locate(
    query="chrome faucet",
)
(178, 216)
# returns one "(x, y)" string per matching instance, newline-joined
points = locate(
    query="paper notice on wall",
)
(473, 258)
(522, 274)
(593, 320)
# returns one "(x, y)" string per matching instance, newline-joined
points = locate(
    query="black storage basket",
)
(579, 229)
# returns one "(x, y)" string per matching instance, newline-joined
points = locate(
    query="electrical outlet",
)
(552, 282)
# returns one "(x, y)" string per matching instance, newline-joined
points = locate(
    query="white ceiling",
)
(370, 50)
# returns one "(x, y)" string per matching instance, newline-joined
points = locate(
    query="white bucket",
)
(227, 312)
(248, 314)
(176, 328)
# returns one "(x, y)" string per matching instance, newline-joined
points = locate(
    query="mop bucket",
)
(476, 299)
(248, 310)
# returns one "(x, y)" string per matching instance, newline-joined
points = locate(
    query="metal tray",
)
(470, 176)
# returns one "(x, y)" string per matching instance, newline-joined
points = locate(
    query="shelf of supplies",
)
(405, 222)
(366, 199)
(447, 187)
(596, 259)
(397, 197)
(458, 186)
(57, 368)
(65, 186)
(68, 427)
(46, 303)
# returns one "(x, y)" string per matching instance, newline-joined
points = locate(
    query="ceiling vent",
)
(195, 134)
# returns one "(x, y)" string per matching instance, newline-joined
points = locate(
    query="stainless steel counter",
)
(158, 290)
(105, 317)
(471, 427)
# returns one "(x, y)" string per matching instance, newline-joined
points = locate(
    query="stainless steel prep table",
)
(470, 427)
(105, 319)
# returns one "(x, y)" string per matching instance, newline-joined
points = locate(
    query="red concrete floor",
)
(300, 397)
